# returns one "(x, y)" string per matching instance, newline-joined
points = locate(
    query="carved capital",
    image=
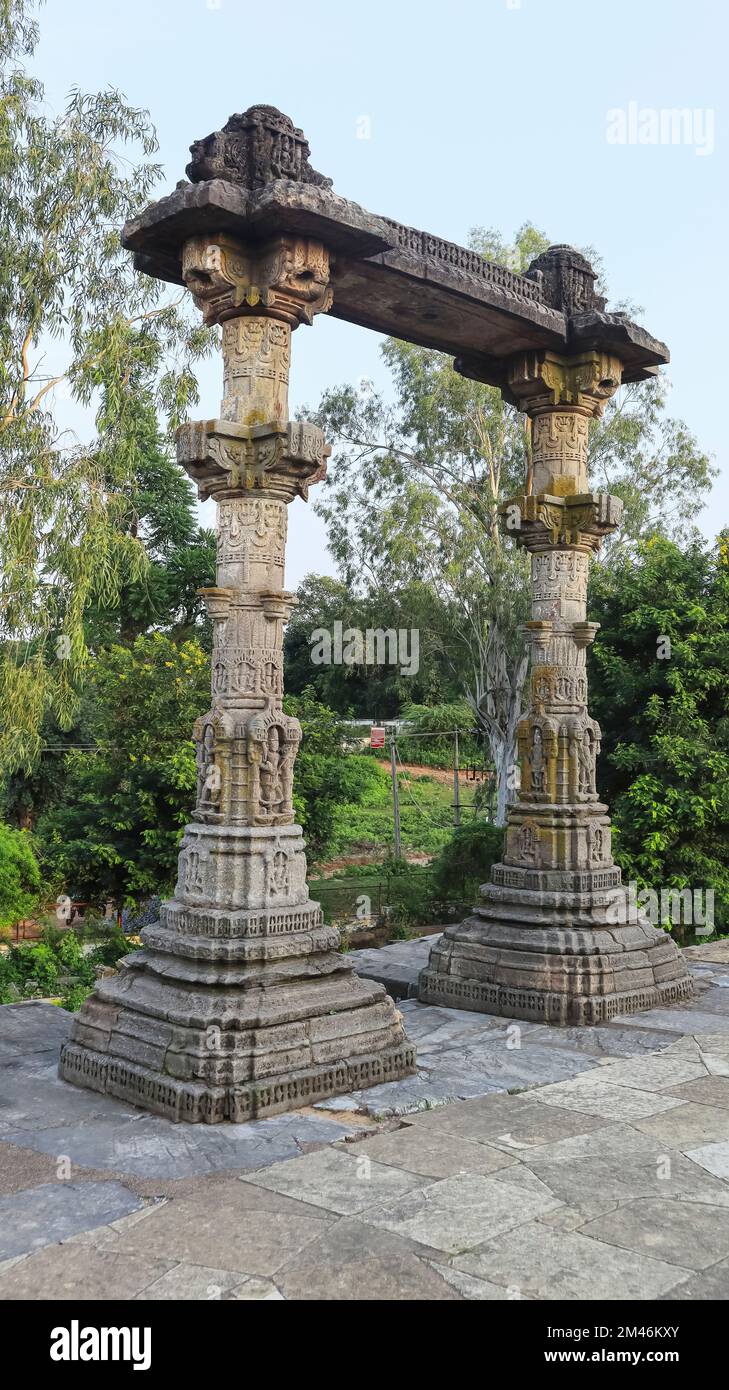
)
(540, 382)
(577, 521)
(286, 279)
(225, 459)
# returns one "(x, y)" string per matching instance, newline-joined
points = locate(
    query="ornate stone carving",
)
(288, 278)
(224, 458)
(254, 148)
(557, 865)
(241, 951)
(540, 382)
(566, 280)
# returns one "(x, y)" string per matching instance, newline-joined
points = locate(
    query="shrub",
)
(464, 863)
(20, 878)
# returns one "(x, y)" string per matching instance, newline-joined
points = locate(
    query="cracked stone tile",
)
(712, 1283)
(509, 1122)
(565, 1219)
(675, 1020)
(39, 1216)
(458, 1213)
(149, 1146)
(430, 1088)
(708, 1090)
(715, 1000)
(688, 1125)
(34, 1098)
(357, 1262)
(611, 1141)
(689, 1234)
(604, 1040)
(338, 1181)
(260, 1290)
(184, 1282)
(438, 1155)
(513, 1068)
(592, 1096)
(596, 1183)
(544, 1263)
(477, 1290)
(232, 1226)
(651, 1073)
(80, 1272)
(111, 1236)
(713, 1157)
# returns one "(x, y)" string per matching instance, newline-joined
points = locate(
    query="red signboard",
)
(377, 737)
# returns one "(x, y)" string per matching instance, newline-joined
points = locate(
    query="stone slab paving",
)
(521, 1162)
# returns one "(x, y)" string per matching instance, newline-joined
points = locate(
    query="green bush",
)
(464, 863)
(20, 878)
(57, 965)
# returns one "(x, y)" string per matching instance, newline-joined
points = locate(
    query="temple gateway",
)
(240, 1005)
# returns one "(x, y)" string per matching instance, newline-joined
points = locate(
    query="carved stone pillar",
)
(553, 938)
(240, 1005)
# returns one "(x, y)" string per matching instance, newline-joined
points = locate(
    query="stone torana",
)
(240, 1004)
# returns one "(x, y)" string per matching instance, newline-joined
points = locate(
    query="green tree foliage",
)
(360, 689)
(116, 832)
(464, 863)
(326, 775)
(436, 725)
(665, 718)
(20, 879)
(180, 553)
(74, 315)
(414, 488)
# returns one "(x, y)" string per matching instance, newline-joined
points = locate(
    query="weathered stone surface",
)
(687, 1233)
(355, 1261)
(710, 1284)
(336, 1181)
(536, 1261)
(236, 1227)
(240, 1004)
(688, 1126)
(556, 938)
(71, 1272)
(461, 1212)
(713, 1157)
(509, 1121)
(437, 1155)
(709, 1090)
(592, 1096)
(41, 1215)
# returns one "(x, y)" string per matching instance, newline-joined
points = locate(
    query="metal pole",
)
(395, 800)
(456, 786)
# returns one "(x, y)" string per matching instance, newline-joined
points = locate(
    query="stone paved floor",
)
(522, 1162)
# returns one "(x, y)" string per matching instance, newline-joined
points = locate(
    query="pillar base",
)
(235, 1015)
(198, 1104)
(554, 957)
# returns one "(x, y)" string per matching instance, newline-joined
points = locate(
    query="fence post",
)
(456, 786)
(395, 799)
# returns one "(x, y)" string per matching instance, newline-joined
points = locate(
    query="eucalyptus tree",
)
(82, 337)
(415, 483)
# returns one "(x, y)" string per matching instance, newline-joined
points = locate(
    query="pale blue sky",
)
(481, 112)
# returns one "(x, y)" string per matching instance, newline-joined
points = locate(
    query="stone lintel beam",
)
(252, 181)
